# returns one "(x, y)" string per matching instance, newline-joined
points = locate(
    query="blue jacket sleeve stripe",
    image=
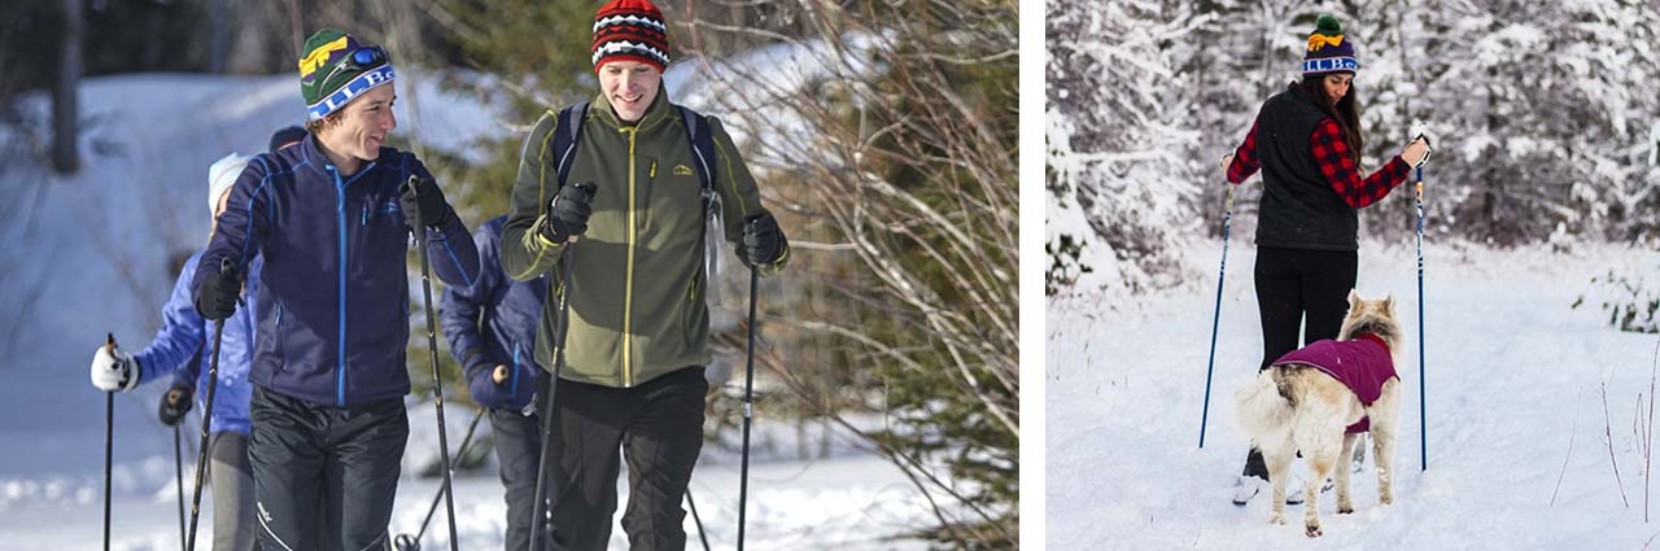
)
(249, 231)
(466, 279)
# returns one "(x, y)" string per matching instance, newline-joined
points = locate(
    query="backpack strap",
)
(567, 134)
(703, 145)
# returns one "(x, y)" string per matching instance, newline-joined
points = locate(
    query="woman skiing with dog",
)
(1307, 142)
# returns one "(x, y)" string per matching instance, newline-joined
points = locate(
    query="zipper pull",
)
(654, 169)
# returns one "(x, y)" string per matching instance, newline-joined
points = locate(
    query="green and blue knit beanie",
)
(336, 67)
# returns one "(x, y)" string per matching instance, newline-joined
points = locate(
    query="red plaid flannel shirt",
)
(1331, 154)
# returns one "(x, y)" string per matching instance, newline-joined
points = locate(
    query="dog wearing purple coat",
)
(1318, 399)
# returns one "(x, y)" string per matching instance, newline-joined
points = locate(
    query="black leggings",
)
(1299, 289)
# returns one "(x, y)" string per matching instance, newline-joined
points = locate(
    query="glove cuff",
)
(444, 215)
(134, 372)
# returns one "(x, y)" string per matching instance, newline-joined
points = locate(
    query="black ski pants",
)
(347, 459)
(1299, 290)
(658, 426)
(518, 439)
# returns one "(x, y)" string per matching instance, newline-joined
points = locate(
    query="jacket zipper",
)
(628, 287)
(340, 360)
(513, 388)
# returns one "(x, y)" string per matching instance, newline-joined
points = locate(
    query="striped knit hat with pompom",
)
(631, 30)
(1328, 50)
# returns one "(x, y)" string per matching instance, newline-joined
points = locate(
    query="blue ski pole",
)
(1423, 437)
(1423, 427)
(1215, 322)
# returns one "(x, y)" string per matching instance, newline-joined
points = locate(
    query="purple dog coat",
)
(1362, 364)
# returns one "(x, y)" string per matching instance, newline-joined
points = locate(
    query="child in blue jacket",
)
(181, 352)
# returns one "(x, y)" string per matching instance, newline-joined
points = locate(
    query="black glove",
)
(422, 201)
(216, 297)
(175, 404)
(763, 241)
(568, 213)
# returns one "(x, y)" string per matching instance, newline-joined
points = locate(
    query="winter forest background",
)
(1530, 310)
(1544, 117)
(884, 135)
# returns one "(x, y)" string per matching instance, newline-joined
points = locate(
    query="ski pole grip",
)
(1428, 149)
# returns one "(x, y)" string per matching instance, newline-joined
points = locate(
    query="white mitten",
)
(113, 369)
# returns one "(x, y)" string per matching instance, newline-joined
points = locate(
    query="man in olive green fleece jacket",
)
(638, 325)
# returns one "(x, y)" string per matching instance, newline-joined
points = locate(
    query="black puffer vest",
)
(1300, 210)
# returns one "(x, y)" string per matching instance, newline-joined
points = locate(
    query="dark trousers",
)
(1299, 290)
(659, 426)
(232, 484)
(518, 440)
(347, 459)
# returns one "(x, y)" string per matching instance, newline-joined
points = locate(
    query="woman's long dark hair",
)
(1345, 112)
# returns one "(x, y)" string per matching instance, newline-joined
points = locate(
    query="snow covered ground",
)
(88, 254)
(1516, 419)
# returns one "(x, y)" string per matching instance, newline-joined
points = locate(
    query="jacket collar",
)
(312, 155)
(1373, 338)
(658, 113)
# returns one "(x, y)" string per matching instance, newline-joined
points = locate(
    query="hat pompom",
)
(1327, 25)
(1328, 50)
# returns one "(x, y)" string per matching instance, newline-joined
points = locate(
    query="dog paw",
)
(1277, 519)
(1345, 509)
(1313, 531)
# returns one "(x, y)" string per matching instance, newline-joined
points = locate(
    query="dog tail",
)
(1262, 407)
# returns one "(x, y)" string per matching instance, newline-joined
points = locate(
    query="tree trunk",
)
(65, 156)
(219, 37)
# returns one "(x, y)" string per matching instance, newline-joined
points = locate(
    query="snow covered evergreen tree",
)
(1122, 155)
(1540, 113)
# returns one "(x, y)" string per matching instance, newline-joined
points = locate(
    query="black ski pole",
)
(109, 443)
(405, 542)
(749, 407)
(1216, 321)
(178, 477)
(437, 377)
(539, 507)
(701, 533)
(539, 526)
(225, 268)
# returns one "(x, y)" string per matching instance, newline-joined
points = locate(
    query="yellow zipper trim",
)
(628, 289)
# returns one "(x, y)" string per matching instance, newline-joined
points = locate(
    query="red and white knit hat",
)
(632, 30)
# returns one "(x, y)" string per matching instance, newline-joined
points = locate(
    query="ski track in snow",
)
(1513, 382)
